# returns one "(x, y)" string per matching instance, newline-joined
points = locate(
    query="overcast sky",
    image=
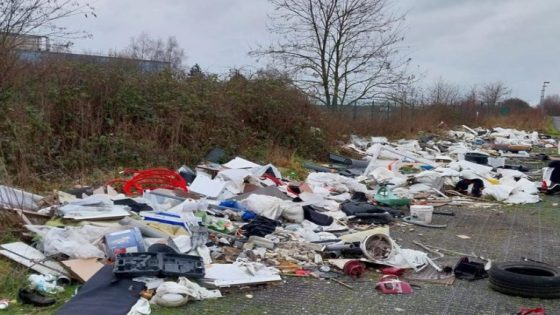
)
(464, 42)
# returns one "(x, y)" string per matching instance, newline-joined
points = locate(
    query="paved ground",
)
(501, 234)
(556, 122)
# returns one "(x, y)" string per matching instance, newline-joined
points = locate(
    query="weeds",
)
(69, 122)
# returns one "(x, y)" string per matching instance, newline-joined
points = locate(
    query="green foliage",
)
(69, 119)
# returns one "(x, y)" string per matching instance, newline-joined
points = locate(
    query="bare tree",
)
(552, 105)
(39, 18)
(443, 93)
(493, 93)
(471, 96)
(339, 51)
(21, 18)
(146, 47)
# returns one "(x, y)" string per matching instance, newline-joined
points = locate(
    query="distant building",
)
(28, 42)
(32, 48)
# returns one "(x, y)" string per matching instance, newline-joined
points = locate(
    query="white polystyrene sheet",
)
(379, 140)
(481, 170)
(447, 172)
(32, 258)
(236, 179)
(211, 188)
(334, 182)
(497, 162)
(239, 162)
(498, 192)
(93, 207)
(522, 198)
(418, 188)
(13, 198)
(526, 186)
(381, 175)
(224, 275)
(430, 178)
(261, 170)
(511, 173)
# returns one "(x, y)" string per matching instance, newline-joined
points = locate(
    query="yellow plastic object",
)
(168, 229)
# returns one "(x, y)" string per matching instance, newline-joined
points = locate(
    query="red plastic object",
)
(390, 284)
(302, 273)
(151, 179)
(276, 181)
(535, 311)
(354, 268)
(392, 271)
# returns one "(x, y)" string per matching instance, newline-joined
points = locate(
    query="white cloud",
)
(463, 41)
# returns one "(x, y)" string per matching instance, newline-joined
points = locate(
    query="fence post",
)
(387, 111)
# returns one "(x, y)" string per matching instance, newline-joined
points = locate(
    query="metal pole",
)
(542, 95)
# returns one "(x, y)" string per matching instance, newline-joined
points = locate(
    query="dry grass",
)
(66, 124)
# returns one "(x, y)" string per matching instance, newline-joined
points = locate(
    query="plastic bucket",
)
(422, 213)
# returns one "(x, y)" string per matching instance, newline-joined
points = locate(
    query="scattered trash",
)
(226, 275)
(354, 268)
(32, 258)
(45, 284)
(381, 249)
(469, 270)
(142, 307)
(158, 264)
(529, 311)
(243, 224)
(122, 242)
(415, 221)
(390, 284)
(30, 296)
(422, 213)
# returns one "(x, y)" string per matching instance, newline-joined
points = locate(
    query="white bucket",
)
(422, 213)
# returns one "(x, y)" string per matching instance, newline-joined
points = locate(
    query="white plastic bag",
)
(142, 307)
(274, 208)
(76, 242)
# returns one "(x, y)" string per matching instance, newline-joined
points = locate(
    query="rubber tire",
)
(503, 280)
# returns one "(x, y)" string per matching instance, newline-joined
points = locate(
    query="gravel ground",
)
(500, 233)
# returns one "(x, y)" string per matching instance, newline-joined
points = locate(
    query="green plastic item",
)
(386, 197)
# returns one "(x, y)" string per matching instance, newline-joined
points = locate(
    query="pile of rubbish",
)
(473, 162)
(168, 237)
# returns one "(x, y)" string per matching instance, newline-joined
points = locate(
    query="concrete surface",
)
(556, 122)
(500, 233)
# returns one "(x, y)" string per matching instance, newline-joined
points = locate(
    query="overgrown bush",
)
(64, 120)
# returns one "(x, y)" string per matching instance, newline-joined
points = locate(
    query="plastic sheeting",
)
(274, 208)
(75, 242)
(398, 257)
(327, 182)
